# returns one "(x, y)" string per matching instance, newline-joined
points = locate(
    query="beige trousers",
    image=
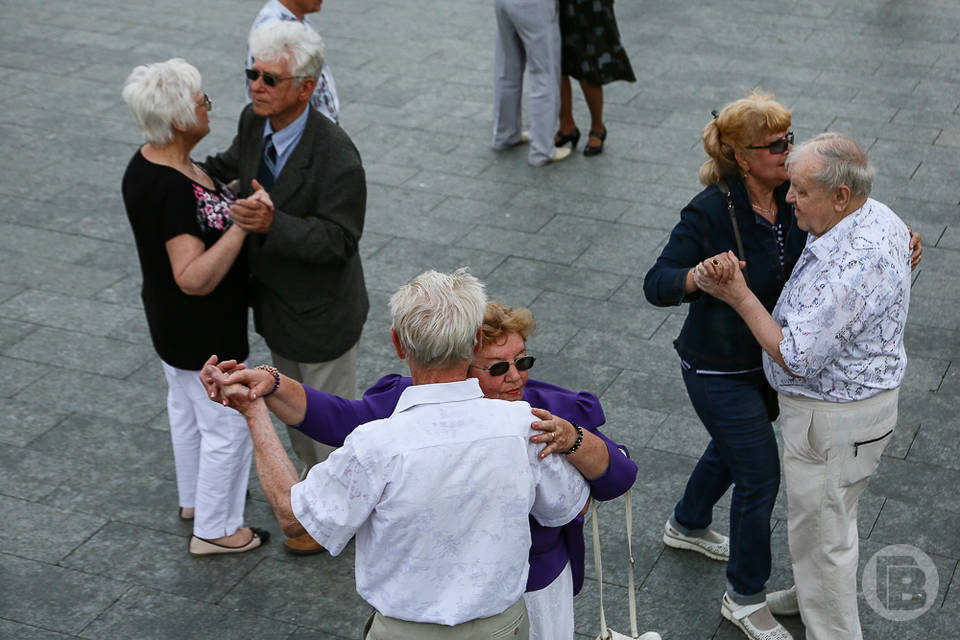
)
(830, 451)
(512, 624)
(338, 377)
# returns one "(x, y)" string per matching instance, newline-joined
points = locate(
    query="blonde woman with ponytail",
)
(746, 144)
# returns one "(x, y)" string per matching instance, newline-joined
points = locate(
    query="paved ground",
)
(91, 546)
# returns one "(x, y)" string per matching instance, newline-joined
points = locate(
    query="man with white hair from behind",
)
(438, 494)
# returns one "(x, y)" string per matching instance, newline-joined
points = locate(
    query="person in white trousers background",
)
(528, 38)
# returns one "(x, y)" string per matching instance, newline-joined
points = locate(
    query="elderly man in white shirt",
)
(440, 493)
(834, 352)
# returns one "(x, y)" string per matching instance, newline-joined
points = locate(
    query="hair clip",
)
(715, 114)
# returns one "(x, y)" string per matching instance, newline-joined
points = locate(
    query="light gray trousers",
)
(528, 36)
(830, 452)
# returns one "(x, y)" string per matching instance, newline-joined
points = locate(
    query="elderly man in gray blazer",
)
(309, 296)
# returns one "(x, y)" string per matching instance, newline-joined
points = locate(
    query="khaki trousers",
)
(830, 452)
(338, 377)
(512, 624)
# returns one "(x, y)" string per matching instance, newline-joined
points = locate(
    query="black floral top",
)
(161, 204)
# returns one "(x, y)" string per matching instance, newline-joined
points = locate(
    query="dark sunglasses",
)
(778, 146)
(207, 102)
(501, 368)
(268, 78)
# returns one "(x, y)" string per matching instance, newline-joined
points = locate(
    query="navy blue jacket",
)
(713, 336)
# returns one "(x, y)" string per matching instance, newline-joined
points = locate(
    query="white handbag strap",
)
(599, 565)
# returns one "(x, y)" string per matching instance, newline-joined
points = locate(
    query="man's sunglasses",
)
(778, 146)
(268, 78)
(501, 368)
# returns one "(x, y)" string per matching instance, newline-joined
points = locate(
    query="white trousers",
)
(528, 36)
(551, 609)
(338, 377)
(830, 452)
(212, 451)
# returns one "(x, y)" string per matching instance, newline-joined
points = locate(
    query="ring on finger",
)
(715, 262)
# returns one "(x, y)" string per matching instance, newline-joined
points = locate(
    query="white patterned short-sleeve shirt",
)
(844, 309)
(439, 497)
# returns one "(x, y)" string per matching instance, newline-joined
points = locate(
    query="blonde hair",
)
(499, 320)
(740, 124)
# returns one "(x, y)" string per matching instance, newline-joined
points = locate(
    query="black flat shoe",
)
(562, 138)
(591, 150)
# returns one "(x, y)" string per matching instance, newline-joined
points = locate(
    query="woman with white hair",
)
(194, 295)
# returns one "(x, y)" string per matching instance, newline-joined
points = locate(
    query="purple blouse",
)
(330, 419)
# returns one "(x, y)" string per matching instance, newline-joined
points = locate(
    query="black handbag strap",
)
(722, 185)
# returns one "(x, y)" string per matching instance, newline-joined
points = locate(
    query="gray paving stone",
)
(98, 441)
(534, 246)
(51, 597)
(137, 613)
(575, 309)
(43, 533)
(39, 274)
(56, 347)
(22, 422)
(159, 560)
(67, 312)
(556, 278)
(328, 580)
(28, 475)
(897, 524)
(128, 402)
(513, 215)
(25, 632)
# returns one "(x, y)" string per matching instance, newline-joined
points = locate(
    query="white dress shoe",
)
(562, 153)
(784, 603)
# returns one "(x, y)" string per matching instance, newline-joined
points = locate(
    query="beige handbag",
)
(606, 633)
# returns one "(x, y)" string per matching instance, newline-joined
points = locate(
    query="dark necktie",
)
(268, 165)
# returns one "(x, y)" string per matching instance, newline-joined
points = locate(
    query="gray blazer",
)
(308, 293)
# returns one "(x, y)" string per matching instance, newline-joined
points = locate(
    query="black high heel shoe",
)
(562, 138)
(591, 150)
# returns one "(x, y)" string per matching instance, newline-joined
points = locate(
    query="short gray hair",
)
(161, 95)
(842, 162)
(436, 317)
(291, 40)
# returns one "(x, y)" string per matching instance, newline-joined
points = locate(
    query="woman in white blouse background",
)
(833, 349)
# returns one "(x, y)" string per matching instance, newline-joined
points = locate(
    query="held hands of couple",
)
(721, 277)
(233, 385)
(255, 213)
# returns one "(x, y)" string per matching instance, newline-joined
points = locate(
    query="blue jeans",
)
(742, 452)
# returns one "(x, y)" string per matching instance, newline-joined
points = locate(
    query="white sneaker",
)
(718, 549)
(739, 615)
(562, 153)
(784, 603)
(649, 635)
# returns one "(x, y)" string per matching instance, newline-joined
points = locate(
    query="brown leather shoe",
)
(303, 545)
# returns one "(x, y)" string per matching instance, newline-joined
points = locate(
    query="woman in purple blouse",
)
(502, 368)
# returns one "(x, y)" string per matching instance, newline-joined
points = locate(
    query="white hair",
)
(841, 162)
(161, 95)
(436, 317)
(290, 40)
